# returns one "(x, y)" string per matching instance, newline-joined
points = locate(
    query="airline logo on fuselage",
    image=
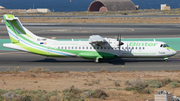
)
(148, 44)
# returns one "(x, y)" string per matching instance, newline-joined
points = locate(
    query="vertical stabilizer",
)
(16, 29)
(12, 29)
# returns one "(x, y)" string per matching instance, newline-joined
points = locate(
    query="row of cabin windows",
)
(136, 48)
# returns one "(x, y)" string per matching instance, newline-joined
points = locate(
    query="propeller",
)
(120, 43)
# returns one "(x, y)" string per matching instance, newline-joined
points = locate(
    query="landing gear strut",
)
(166, 59)
(98, 60)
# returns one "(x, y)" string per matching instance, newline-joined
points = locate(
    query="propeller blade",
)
(119, 42)
(118, 37)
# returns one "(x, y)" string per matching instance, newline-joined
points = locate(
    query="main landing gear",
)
(166, 59)
(97, 60)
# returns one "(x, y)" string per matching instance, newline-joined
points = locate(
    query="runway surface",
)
(12, 59)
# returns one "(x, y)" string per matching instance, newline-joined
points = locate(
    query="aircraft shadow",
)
(48, 60)
(120, 61)
(117, 61)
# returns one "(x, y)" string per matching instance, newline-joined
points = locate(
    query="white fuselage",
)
(130, 49)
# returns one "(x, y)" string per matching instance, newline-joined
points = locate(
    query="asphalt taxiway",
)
(23, 60)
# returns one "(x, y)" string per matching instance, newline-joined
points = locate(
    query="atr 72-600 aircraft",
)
(96, 48)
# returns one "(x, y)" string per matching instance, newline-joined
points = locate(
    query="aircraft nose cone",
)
(174, 52)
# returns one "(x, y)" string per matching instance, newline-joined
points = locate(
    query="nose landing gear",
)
(166, 59)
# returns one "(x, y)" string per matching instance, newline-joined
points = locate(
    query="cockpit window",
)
(164, 45)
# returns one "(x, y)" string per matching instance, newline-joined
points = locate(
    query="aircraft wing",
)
(97, 40)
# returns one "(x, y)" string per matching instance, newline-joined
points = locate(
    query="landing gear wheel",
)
(166, 59)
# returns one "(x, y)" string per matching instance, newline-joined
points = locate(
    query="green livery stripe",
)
(36, 51)
(170, 48)
(14, 22)
(29, 36)
(13, 40)
(90, 54)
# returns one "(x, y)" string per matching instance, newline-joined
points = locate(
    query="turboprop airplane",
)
(96, 48)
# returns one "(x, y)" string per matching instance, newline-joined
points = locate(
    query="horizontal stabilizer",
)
(13, 46)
